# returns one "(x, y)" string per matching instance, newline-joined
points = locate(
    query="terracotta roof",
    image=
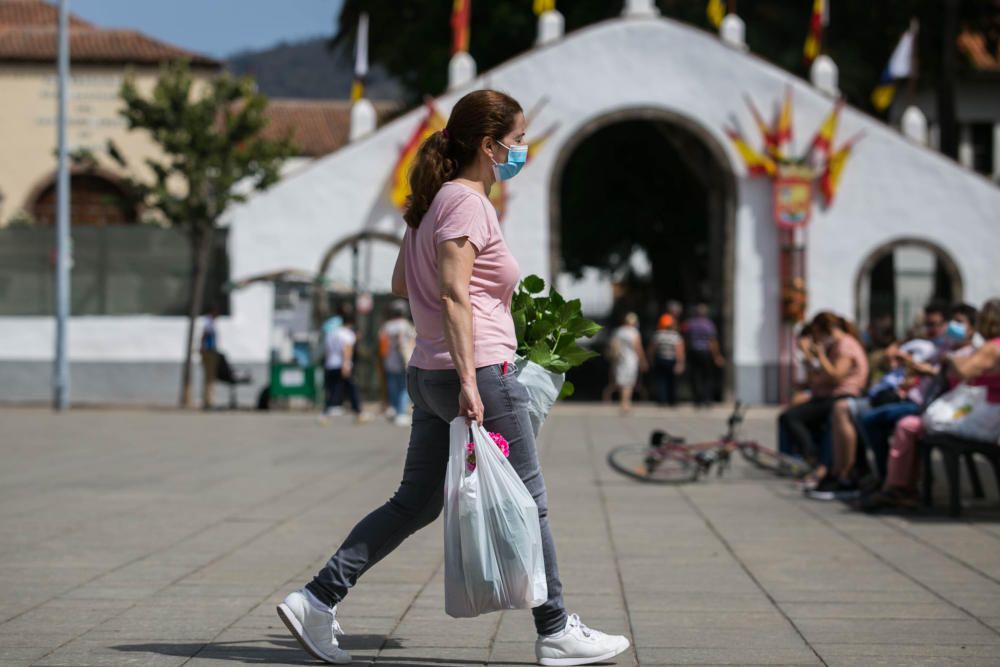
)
(318, 126)
(26, 13)
(28, 34)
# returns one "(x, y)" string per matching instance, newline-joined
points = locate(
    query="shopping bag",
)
(493, 556)
(964, 412)
(543, 390)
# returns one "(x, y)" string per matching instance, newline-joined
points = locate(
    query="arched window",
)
(899, 278)
(96, 198)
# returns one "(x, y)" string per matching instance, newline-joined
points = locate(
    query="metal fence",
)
(116, 270)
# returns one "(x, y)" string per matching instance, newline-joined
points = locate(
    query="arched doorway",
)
(643, 204)
(96, 198)
(371, 253)
(898, 279)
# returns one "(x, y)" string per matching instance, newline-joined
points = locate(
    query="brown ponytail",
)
(481, 113)
(825, 321)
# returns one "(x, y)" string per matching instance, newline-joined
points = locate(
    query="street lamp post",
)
(60, 378)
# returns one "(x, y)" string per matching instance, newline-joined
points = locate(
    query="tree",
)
(211, 142)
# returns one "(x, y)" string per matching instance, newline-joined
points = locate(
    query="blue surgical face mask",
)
(517, 155)
(956, 331)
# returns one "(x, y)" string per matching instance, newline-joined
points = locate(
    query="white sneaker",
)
(401, 420)
(333, 412)
(314, 625)
(578, 645)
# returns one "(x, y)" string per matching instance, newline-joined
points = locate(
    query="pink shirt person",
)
(456, 212)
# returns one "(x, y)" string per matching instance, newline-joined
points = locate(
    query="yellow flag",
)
(716, 11)
(882, 96)
(756, 162)
(432, 123)
(542, 6)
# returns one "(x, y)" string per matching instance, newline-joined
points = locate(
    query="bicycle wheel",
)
(776, 462)
(646, 465)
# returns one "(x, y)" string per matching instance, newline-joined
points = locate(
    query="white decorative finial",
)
(824, 74)
(914, 125)
(639, 8)
(551, 26)
(461, 70)
(733, 32)
(362, 119)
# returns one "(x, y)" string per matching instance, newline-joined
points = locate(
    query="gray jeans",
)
(420, 496)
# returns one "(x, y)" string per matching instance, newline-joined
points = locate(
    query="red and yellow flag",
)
(823, 141)
(830, 178)
(757, 163)
(815, 38)
(431, 123)
(461, 11)
(542, 6)
(716, 11)
(782, 134)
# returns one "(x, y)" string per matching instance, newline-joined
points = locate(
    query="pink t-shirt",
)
(459, 211)
(849, 347)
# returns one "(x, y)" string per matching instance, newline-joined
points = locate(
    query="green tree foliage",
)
(412, 39)
(213, 155)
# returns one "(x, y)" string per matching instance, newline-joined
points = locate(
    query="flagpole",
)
(60, 379)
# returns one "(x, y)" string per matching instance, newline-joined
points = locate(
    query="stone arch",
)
(97, 197)
(691, 131)
(319, 301)
(863, 274)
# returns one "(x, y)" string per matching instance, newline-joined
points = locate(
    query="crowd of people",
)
(677, 349)
(860, 410)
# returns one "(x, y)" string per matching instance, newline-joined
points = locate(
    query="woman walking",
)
(459, 276)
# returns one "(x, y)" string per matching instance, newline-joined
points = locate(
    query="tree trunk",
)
(201, 251)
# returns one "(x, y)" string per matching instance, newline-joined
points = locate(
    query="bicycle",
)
(669, 459)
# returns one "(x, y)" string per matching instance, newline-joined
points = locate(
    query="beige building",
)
(100, 59)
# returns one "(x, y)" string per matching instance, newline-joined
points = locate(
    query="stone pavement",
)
(161, 538)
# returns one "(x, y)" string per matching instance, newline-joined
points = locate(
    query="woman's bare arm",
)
(979, 362)
(455, 260)
(399, 276)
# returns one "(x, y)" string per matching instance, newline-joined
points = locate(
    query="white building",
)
(685, 84)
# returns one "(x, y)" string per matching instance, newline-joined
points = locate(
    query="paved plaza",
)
(164, 538)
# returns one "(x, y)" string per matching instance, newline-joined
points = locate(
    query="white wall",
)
(890, 188)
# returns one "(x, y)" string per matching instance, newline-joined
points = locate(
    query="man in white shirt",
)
(338, 362)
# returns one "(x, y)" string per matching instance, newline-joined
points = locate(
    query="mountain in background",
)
(310, 69)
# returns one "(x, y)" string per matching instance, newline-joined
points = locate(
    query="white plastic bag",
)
(543, 389)
(964, 412)
(492, 541)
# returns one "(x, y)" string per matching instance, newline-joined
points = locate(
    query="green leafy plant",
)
(548, 328)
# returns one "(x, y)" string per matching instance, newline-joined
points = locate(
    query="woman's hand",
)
(470, 405)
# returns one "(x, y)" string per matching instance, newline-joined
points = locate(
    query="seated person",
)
(839, 369)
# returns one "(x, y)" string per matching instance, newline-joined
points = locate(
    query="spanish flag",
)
(822, 143)
(716, 11)
(830, 178)
(360, 59)
(900, 67)
(757, 163)
(431, 123)
(765, 131)
(461, 11)
(542, 6)
(782, 134)
(818, 19)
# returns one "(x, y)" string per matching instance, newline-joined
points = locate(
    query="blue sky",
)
(215, 27)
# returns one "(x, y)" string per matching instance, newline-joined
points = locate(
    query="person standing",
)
(399, 336)
(703, 355)
(627, 361)
(666, 349)
(459, 276)
(338, 363)
(209, 348)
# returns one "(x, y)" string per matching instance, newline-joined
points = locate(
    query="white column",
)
(634, 8)
(966, 155)
(461, 70)
(914, 125)
(551, 26)
(733, 32)
(824, 75)
(363, 119)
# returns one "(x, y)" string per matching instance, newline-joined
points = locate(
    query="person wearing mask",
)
(459, 275)
(839, 369)
(703, 355)
(666, 349)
